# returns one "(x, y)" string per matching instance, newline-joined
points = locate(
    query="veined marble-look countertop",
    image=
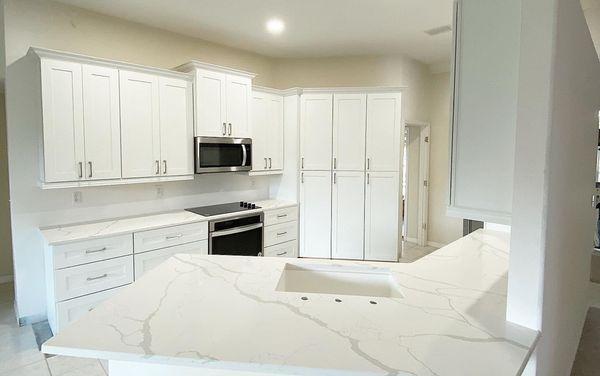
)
(67, 233)
(222, 312)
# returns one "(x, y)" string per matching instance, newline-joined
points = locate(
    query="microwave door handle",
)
(236, 230)
(244, 155)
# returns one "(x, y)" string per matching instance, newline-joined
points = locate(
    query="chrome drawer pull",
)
(281, 233)
(98, 277)
(282, 253)
(281, 215)
(88, 251)
(171, 237)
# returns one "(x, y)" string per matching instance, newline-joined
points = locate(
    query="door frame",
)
(423, 212)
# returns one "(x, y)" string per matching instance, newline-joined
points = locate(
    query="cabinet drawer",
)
(149, 260)
(91, 250)
(288, 249)
(280, 233)
(273, 217)
(169, 236)
(90, 278)
(71, 310)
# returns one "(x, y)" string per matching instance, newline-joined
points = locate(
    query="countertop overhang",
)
(220, 312)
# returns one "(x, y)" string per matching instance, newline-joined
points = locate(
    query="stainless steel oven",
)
(238, 236)
(222, 154)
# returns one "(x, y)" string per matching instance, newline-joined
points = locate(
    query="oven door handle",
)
(236, 230)
(244, 155)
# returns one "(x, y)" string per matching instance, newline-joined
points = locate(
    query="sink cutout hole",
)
(373, 302)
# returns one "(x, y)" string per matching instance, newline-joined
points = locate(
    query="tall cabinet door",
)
(315, 214)
(239, 92)
(210, 106)
(316, 131)
(260, 127)
(349, 124)
(62, 103)
(381, 216)
(140, 130)
(275, 132)
(101, 122)
(384, 126)
(347, 215)
(176, 127)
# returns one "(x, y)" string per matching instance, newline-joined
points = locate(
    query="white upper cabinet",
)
(62, 111)
(381, 216)
(315, 214)
(384, 129)
(176, 126)
(348, 215)
(316, 131)
(267, 131)
(349, 126)
(101, 122)
(485, 88)
(222, 100)
(140, 129)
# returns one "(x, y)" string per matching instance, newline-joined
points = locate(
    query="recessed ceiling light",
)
(275, 26)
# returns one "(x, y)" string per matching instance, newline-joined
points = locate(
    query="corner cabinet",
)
(222, 100)
(267, 131)
(105, 122)
(485, 86)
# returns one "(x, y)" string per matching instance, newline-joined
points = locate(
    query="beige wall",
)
(442, 229)
(6, 263)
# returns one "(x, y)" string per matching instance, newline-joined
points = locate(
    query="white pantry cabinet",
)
(348, 215)
(267, 131)
(315, 214)
(222, 100)
(381, 216)
(316, 131)
(349, 127)
(384, 130)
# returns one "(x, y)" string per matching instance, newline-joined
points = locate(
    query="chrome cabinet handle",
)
(281, 215)
(88, 251)
(164, 166)
(368, 163)
(224, 129)
(270, 164)
(368, 180)
(171, 237)
(302, 178)
(282, 253)
(157, 167)
(80, 170)
(265, 163)
(334, 163)
(98, 277)
(334, 177)
(230, 129)
(90, 165)
(302, 164)
(281, 233)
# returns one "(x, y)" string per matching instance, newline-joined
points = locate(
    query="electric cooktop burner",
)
(223, 208)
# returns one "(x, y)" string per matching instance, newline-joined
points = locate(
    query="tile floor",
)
(412, 252)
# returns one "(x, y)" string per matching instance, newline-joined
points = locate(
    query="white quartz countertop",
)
(220, 312)
(67, 233)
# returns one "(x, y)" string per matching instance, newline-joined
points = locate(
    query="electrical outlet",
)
(252, 182)
(160, 192)
(77, 197)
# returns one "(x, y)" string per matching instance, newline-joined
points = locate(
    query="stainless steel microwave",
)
(222, 154)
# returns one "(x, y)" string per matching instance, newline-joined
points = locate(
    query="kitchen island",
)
(216, 315)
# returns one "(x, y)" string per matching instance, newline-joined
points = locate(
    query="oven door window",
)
(220, 155)
(244, 243)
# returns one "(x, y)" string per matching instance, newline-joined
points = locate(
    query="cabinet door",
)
(176, 127)
(275, 132)
(210, 107)
(239, 92)
(348, 215)
(381, 216)
(62, 111)
(140, 130)
(349, 126)
(260, 127)
(315, 214)
(316, 131)
(384, 125)
(101, 122)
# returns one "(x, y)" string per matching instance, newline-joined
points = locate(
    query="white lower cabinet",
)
(169, 236)
(281, 232)
(147, 261)
(70, 310)
(347, 215)
(287, 249)
(381, 216)
(315, 214)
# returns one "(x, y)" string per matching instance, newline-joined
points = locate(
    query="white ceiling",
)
(314, 28)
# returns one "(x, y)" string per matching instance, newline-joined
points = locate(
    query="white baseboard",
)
(436, 244)
(6, 278)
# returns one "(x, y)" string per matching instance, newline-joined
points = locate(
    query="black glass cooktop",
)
(231, 207)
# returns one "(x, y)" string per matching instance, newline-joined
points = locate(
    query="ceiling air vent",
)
(439, 30)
